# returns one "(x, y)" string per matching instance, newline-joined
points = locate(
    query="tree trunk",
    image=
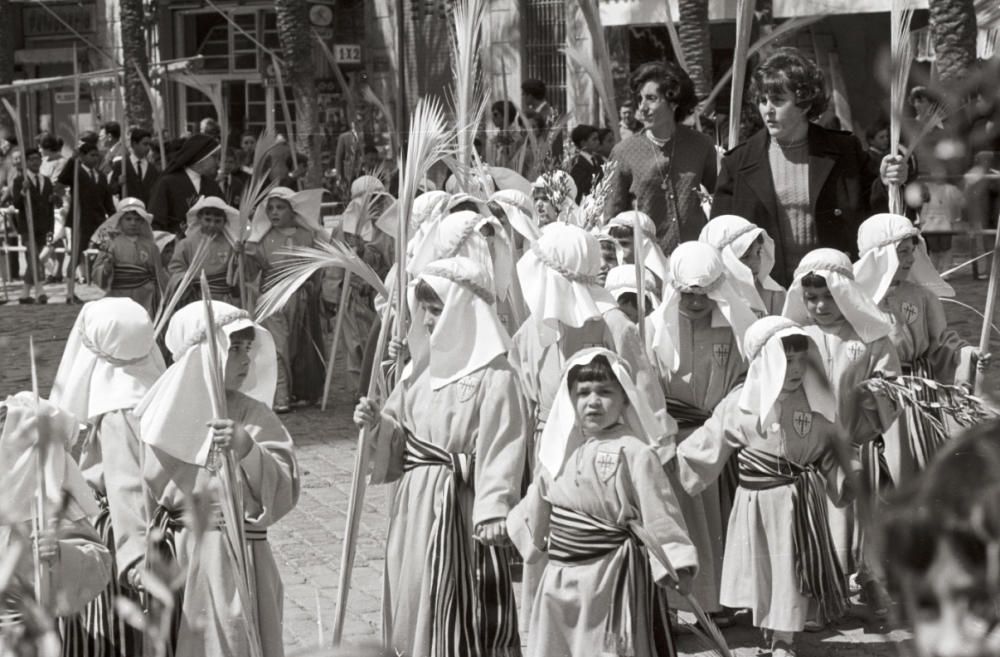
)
(295, 35)
(6, 58)
(692, 29)
(953, 26)
(138, 110)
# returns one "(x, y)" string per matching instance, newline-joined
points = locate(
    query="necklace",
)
(663, 169)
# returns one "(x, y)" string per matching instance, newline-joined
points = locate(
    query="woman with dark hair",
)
(939, 544)
(661, 168)
(807, 186)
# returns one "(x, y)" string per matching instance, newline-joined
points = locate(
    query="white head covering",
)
(520, 212)
(428, 207)
(109, 227)
(733, 236)
(567, 211)
(697, 267)
(766, 375)
(508, 179)
(877, 240)
(559, 280)
(174, 413)
(28, 421)
(365, 185)
(131, 204)
(621, 280)
(468, 335)
(652, 256)
(858, 309)
(110, 360)
(306, 205)
(232, 216)
(561, 434)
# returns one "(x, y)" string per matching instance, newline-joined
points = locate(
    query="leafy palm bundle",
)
(593, 203)
(469, 99)
(931, 400)
(902, 59)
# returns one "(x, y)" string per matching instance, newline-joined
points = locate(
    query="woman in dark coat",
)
(807, 186)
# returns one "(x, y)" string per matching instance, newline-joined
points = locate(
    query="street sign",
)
(347, 53)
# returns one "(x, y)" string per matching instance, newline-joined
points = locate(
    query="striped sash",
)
(130, 277)
(472, 594)
(218, 284)
(576, 537)
(816, 564)
(925, 439)
(687, 415)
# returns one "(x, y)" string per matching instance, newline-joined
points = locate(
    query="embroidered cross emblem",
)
(466, 389)
(606, 464)
(855, 350)
(720, 352)
(910, 312)
(802, 421)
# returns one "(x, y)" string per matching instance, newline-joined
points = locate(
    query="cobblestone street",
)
(308, 542)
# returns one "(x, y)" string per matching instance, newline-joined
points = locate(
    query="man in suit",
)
(586, 165)
(34, 188)
(189, 176)
(93, 196)
(140, 174)
(232, 179)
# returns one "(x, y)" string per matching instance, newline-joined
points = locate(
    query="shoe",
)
(42, 299)
(782, 649)
(876, 597)
(814, 626)
(722, 619)
(281, 409)
(25, 300)
(74, 301)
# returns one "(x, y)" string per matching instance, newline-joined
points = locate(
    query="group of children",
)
(693, 435)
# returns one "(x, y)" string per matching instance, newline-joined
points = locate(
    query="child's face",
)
(598, 404)
(432, 313)
(795, 370)
(951, 608)
(546, 212)
(279, 213)
(238, 363)
(131, 224)
(627, 245)
(211, 221)
(609, 256)
(630, 308)
(905, 250)
(821, 305)
(695, 306)
(752, 256)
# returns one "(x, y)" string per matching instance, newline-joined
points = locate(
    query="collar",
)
(587, 156)
(194, 176)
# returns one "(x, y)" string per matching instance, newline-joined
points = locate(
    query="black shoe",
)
(26, 300)
(74, 301)
(42, 299)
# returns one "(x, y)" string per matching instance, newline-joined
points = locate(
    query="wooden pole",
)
(43, 583)
(74, 238)
(640, 276)
(988, 313)
(345, 298)
(15, 115)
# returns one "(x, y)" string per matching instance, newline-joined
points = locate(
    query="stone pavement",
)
(307, 543)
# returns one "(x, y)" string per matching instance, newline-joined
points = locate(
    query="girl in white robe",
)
(598, 478)
(181, 456)
(781, 424)
(452, 435)
(748, 255)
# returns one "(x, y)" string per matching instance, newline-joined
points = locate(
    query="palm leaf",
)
(779, 32)
(372, 98)
(468, 97)
(744, 21)
(598, 65)
(901, 48)
(298, 264)
(167, 306)
(260, 183)
(604, 87)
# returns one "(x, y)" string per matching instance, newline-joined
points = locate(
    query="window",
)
(545, 34)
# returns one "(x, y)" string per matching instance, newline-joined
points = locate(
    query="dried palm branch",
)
(157, 115)
(167, 306)
(372, 98)
(901, 59)
(212, 91)
(297, 264)
(931, 400)
(594, 202)
(468, 97)
(260, 183)
(935, 118)
(744, 21)
(598, 65)
(231, 488)
(783, 30)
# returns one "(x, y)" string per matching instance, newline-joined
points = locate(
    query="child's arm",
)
(502, 432)
(386, 439)
(703, 455)
(180, 260)
(123, 480)
(81, 569)
(104, 266)
(950, 356)
(528, 522)
(878, 409)
(270, 471)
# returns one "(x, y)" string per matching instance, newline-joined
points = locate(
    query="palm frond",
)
(932, 400)
(195, 268)
(604, 87)
(901, 48)
(598, 65)
(594, 202)
(372, 98)
(744, 21)
(298, 264)
(780, 32)
(260, 183)
(467, 95)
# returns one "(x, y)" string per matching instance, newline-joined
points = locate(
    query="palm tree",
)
(953, 27)
(295, 35)
(692, 29)
(138, 111)
(6, 56)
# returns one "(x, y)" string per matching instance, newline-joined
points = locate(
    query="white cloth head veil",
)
(468, 335)
(562, 435)
(559, 280)
(307, 206)
(520, 212)
(110, 361)
(621, 280)
(647, 251)
(231, 229)
(766, 375)
(174, 414)
(877, 240)
(858, 308)
(697, 267)
(732, 236)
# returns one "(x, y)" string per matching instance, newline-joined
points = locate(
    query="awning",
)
(650, 12)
